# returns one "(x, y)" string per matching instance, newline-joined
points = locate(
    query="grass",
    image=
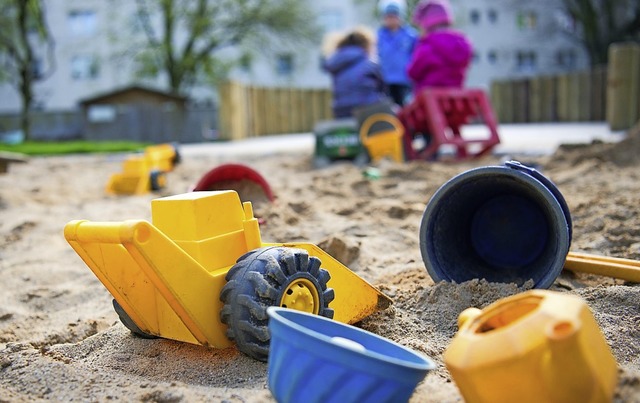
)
(72, 147)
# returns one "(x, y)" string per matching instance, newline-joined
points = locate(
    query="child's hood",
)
(344, 57)
(452, 46)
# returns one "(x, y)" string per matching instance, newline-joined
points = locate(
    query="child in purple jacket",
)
(357, 80)
(442, 55)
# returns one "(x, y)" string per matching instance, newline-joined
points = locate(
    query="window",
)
(566, 58)
(492, 57)
(101, 113)
(475, 17)
(82, 22)
(526, 61)
(527, 20)
(492, 16)
(84, 67)
(284, 64)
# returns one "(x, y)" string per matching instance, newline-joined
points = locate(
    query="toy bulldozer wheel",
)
(272, 276)
(129, 323)
(157, 180)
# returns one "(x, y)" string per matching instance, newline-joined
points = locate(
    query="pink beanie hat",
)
(430, 13)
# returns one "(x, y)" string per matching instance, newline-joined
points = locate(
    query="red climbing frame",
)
(440, 113)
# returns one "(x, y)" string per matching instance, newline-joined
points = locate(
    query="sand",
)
(61, 340)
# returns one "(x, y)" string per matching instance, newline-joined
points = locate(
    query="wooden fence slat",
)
(522, 101)
(549, 100)
(535, 99)
(598, 93)
(584, 94)
(562, 93)
(623, 85)
(496, 100)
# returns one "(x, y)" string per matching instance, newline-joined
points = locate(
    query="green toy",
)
(338, 140)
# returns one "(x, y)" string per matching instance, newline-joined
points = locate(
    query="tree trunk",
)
(26, 73)
(27, 98)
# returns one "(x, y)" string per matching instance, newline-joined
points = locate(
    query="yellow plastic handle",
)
(624, 269)
(379, 117)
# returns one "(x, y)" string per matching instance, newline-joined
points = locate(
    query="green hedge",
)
(72, 147)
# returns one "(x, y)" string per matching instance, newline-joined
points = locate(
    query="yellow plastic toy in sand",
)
(144, 172)
(202, 274)
(537, 346)
(386, 143)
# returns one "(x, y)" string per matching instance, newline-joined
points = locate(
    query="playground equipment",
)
(200, 273)
(386, 142)
(536, 346)
(145, 172)
(314, 359)
(438, 114)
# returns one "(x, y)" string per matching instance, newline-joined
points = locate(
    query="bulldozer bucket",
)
(164, 290)
(355, 298)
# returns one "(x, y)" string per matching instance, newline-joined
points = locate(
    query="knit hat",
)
(392, 9)
(430, 13)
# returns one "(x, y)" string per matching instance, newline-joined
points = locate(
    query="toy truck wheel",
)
(362, 159)
(321, 162)
(272, 276)
(130, 324)
(158, 180)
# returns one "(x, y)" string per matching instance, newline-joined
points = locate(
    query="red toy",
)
(439, 114)
(233, 172)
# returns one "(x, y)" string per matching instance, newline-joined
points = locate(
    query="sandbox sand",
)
(61, 340)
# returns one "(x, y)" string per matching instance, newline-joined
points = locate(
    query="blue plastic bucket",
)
(505, 224)
(315, 359)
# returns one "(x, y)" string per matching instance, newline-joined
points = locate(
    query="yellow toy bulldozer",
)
(202, 274)
(145, 172)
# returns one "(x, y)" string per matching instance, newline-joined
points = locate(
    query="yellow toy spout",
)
(200, 270)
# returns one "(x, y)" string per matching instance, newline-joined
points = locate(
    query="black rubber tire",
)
(362, 159)
(258, 280)
(321, 162)
(156, 178)
(177, 158)
(130, 324)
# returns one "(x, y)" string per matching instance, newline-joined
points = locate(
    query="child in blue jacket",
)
(356, 79)
(396, 41)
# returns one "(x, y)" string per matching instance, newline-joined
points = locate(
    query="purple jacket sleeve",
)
(422, 61)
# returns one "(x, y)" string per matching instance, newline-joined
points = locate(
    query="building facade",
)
(511, 39)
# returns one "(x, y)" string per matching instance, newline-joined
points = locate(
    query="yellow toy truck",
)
(202, 274)
(145, 172)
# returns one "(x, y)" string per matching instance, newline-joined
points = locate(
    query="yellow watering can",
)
(537, 346)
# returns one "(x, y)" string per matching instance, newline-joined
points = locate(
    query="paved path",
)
(534, 139)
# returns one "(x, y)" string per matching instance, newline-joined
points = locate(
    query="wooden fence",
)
(579, 96)
(248, 111)
(606, 93)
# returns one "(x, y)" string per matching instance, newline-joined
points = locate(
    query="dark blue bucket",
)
(505, 224)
